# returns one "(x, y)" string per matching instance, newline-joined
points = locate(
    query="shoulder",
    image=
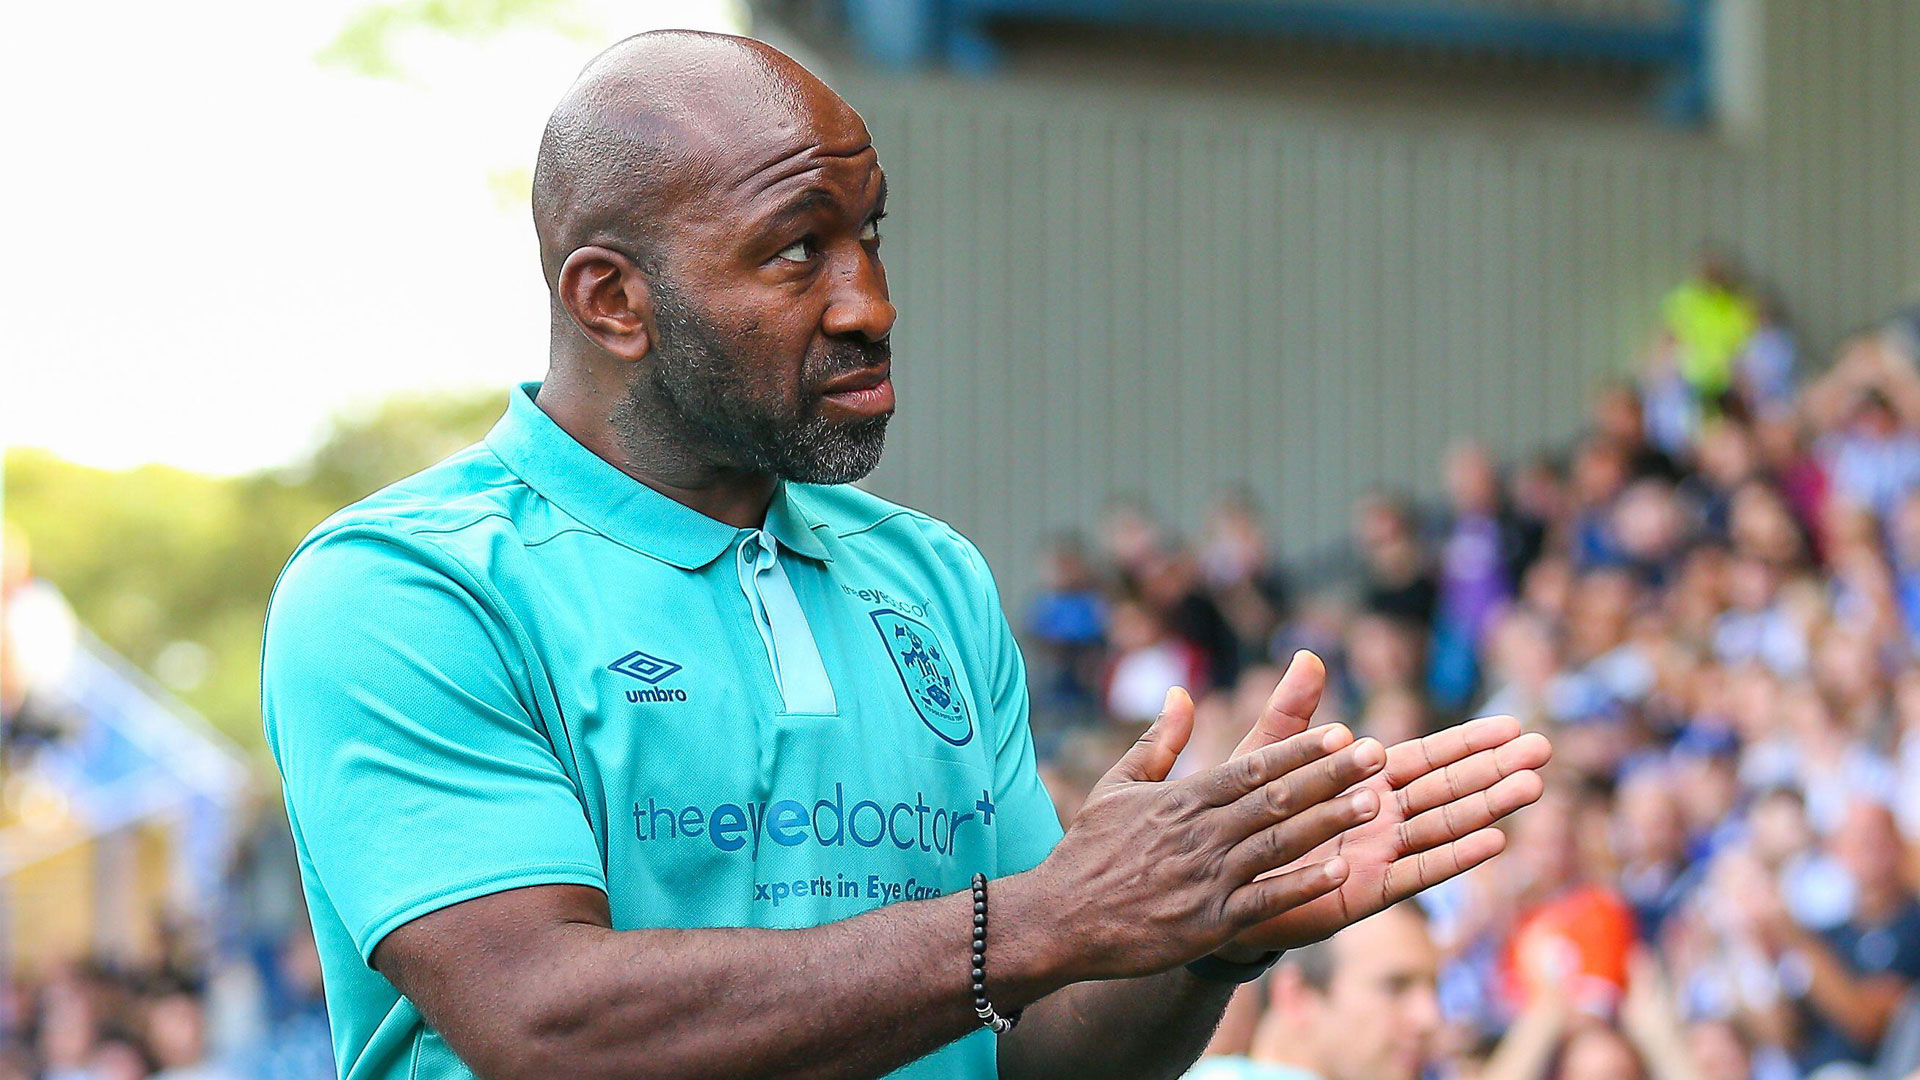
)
(443, 528)
(468, 489)
(862, 519)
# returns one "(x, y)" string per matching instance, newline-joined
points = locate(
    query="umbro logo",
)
(648, 669)
(651, 670)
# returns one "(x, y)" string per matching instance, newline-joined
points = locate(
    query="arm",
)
(1151, 1027)
(1650, 1021)
(1527, 1048)
(534, 983)
(1859, 1005)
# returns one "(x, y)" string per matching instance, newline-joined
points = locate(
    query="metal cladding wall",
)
(1121, 291)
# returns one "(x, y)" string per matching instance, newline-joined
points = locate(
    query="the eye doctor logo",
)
(651, 670)
(927, 674)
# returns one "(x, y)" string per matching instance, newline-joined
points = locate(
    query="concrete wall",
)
(1123, 285)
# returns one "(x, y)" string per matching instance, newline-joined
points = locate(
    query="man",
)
(1361, 1005)
(1844, 984)
(632, 742)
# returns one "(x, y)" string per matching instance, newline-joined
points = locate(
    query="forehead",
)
(1389, 944)
(795, 133)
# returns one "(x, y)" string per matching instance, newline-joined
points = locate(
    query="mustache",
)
(847, 357)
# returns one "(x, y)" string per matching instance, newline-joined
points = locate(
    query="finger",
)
(1410, 760)
(1278, 845)
(1151, 757)
(1461, 779)
(1289, 709)
(1304, 788)
(1227, 782)
(1267, 898)
(1409, 875)
(1462, 817)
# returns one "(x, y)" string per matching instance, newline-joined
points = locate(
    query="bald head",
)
(660, 118)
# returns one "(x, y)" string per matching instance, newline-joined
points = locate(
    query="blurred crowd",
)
(1710, 600)
(228, 995)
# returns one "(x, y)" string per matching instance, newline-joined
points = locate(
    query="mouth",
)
(863, 393)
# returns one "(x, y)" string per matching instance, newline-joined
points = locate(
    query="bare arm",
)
(1650, 1021)
(534, 983)
(1527, 1049)
(1152, 1027)
(1859, 1005)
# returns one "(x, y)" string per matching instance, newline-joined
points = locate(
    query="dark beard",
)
(707, 386)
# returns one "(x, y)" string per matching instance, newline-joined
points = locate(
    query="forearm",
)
(1133, 1028)
(857, 998)
(1858, 1005)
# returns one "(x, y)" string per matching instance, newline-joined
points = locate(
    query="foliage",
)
(365, 44)
(156, 556)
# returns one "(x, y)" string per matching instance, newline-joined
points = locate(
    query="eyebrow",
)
(807, 202)
(814, 199)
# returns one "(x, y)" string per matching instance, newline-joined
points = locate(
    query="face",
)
(769, 350)
(1382, 1013)
(1717, 1051)
(1599, 1053)
(1867, 844)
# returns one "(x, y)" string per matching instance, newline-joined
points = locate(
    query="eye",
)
(798, 251)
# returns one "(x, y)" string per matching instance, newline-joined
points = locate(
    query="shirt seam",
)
(528, 655)
(898, 511)
(553, 873)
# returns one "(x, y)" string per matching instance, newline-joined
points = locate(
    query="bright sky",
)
(212, 241)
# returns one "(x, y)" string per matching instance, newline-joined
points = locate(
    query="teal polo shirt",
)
(523, 667)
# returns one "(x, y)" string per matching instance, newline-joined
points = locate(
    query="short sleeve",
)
(1031, 827)
(415, 775)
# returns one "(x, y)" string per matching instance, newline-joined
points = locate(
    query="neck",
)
(1278, 1044)
(589, 408)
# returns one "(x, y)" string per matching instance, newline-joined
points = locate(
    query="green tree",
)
(155, 558)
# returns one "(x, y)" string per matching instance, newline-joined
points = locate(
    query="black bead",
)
(979, 907)
(979, 973)
(979, 920)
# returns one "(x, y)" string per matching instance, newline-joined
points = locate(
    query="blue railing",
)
(904, 33)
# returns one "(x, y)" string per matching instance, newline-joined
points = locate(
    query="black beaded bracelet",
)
(1214, 969)
(983, 1008)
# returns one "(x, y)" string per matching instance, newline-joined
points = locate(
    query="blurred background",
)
(1552, 357)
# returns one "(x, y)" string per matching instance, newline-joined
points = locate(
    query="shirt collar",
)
(586, 486)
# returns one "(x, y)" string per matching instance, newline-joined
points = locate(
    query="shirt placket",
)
(792, 653)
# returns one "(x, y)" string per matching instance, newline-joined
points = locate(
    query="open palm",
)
(1439, 798)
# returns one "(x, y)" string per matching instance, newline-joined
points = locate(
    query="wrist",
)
(1031, 950)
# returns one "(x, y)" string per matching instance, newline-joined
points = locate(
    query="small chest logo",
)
(651, 670)
(927, 674)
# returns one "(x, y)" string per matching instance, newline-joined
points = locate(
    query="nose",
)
(860, 306)
(1424, 1010)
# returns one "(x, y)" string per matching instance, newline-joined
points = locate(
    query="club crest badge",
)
(927, 673)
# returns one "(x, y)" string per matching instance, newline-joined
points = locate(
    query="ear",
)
(609, 300)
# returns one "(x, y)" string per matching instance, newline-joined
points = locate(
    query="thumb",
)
(1290, 710)
(1152, 756)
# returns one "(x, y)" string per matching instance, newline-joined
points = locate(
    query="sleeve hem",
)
(519, 878)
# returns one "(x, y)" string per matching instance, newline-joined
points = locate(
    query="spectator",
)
(1066, 632)
(1359, 1006)
(1840, 987)
(1148, 658)
(1397, 581)
(1475, 556)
